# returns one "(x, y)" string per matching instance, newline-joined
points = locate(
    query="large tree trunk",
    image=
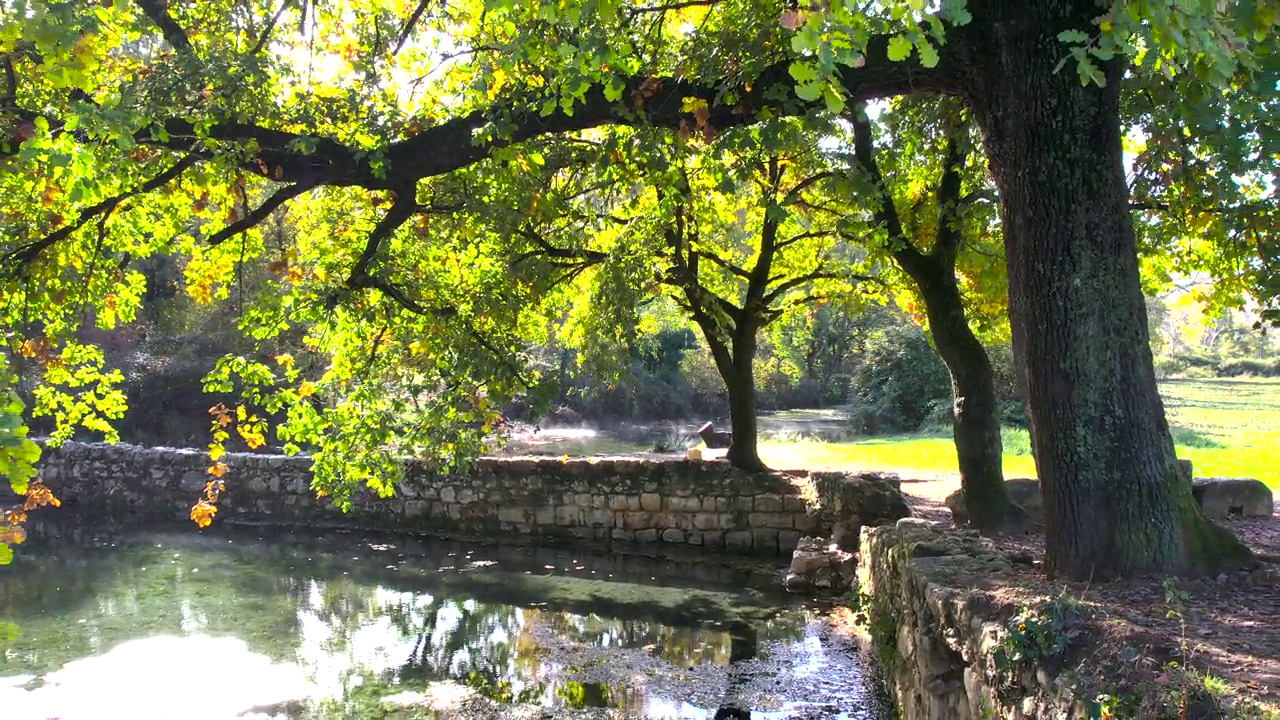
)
(741, 384)
(1114, 502)
(976, 421)
(735, 363)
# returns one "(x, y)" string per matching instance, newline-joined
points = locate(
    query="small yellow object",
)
(694, 454)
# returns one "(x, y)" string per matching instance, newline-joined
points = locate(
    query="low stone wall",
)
(936, 637)
(631, 500)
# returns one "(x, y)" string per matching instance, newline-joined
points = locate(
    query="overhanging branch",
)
(280, 197)
(27, 253)
(158, 12)
(402, 208)
(298, 158)
(408, 25)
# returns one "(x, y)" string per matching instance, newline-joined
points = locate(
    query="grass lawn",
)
(1227, 427)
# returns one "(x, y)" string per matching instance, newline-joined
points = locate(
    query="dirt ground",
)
(1229, 625)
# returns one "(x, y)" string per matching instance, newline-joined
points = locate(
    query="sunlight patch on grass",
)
(1225, 427)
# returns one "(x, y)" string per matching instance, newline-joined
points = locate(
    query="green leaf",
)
(810, 91)
(613, 89)
(1089, 73)
(928, 54)
(1073, 36)
(899, 48)
(833, 97)
(803, 72)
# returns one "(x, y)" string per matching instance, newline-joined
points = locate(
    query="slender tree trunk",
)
(1114, 502)
(741, 383)
(735, 363)
(976, 422)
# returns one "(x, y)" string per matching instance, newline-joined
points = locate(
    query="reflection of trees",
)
(370, 627)
(679, 646)
(81, 601)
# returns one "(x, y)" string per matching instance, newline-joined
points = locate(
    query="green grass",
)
(1226, 427)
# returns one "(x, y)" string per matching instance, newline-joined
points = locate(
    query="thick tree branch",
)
(732, 268)
(401, 210)
(408, 25)
(280, 197)
(158, 12)
(886, 213)
(436, 150)
(451, 145)
(271, 25)
(25, 254)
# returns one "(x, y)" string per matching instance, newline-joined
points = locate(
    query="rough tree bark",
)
(1114, 503)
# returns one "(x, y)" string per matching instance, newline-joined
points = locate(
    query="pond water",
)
(250, 623)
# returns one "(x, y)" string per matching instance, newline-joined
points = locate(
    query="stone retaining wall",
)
(936, 635)
(632, 500)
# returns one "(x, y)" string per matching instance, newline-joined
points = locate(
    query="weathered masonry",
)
(630, 500)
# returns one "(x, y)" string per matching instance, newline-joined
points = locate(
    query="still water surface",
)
(241, 623)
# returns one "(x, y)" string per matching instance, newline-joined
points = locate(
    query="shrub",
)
(1168, 366)
(1249, 366)
(1013, 413)
(898, 383)
(1016, 441)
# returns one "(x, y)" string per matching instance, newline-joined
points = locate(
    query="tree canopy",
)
(131, 128)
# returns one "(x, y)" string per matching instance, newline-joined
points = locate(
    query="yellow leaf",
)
(202, 513)
(284, 359)
(306, 389)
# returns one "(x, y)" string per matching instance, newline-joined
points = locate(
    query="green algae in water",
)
(216, 625)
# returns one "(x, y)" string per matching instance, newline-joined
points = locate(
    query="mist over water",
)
(666, 436)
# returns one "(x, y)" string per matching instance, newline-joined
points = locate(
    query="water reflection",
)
(158, 625)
